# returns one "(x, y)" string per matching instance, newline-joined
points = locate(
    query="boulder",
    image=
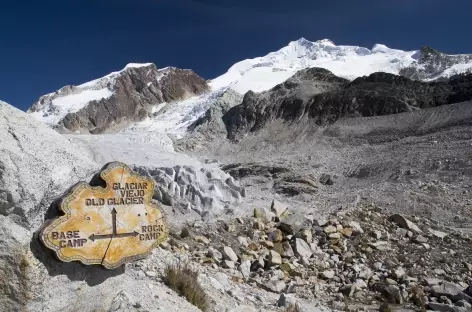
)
(274, 258)
(245, 268)
(302, 249)
(229, 254)
(263, 214)
(278, 208)
(404, 223)
(452, 291)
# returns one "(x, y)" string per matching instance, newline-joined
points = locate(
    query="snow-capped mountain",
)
(350, 62)
(117, 99)
(104, 104)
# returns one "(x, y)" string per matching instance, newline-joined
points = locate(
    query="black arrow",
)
(93, 237)
(131, 234)
(113, 220)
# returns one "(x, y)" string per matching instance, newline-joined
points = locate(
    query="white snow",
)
(59, 107)
(174, 118)
(263, 73)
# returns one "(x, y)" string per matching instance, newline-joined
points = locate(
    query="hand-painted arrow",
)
(93, 237)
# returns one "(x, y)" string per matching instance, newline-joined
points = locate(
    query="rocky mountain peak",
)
(116, 99)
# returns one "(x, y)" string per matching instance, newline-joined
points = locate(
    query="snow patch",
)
(58, 108)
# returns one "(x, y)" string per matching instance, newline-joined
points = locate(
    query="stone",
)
(286, 228)
(306, 235)
(282, 302)
(403, 222)
(381, 245)
(267, 244)
(330, 229)
(278, 208)
(302, 249)
(391, 281)
(276, 235)
(326, 179)
(348, 290)
(464, 304)
(356, 228)
(258, 225)
(431, 281)
(201, 239)
(257, 264)
(438, 234)
(376, 234)
(420, 239)
(245, 268)
(335, 235)
(215, 254)
(151, 274)
(288, 251)
(229, 254)
(274, 258)
(274, 286)
(347, 232)
(328, 274)
(243, 308)
(263, 214)
(399, 272)
(243, 241)
(434, 306)
(450, 290)
(401, 232)
(321, 222)
(468, 266)
(228, 264)
(230, 227)
(393, 294)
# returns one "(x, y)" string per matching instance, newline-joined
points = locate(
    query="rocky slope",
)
(319, 97)
(118, 99)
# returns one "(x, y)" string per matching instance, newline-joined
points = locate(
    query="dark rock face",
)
(135, 91)
(323, 98)
(430, 64)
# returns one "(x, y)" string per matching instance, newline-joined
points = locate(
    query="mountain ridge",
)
(258, 74)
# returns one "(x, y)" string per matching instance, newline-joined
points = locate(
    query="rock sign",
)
(107, 225)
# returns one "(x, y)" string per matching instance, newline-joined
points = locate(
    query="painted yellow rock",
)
(109, 224)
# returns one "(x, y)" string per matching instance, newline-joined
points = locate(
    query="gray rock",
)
(278, 208)
(263, 214)
(431, 281)
(381, 245)
(274, 286)
(229, 254)
(464, 304)
(243, 241)
(438, 234)
(214, 254)
(445, 307)
(393, 294)
(328, 274)
(245, 268)
(356, 228)
(302, 249)
(228, 264)
(330, 229)
(420, 239)
(288, 251)
(243, 308)
(403, 222)
(326, 179)
(451, 290)
(274, 258)
(282, 302)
